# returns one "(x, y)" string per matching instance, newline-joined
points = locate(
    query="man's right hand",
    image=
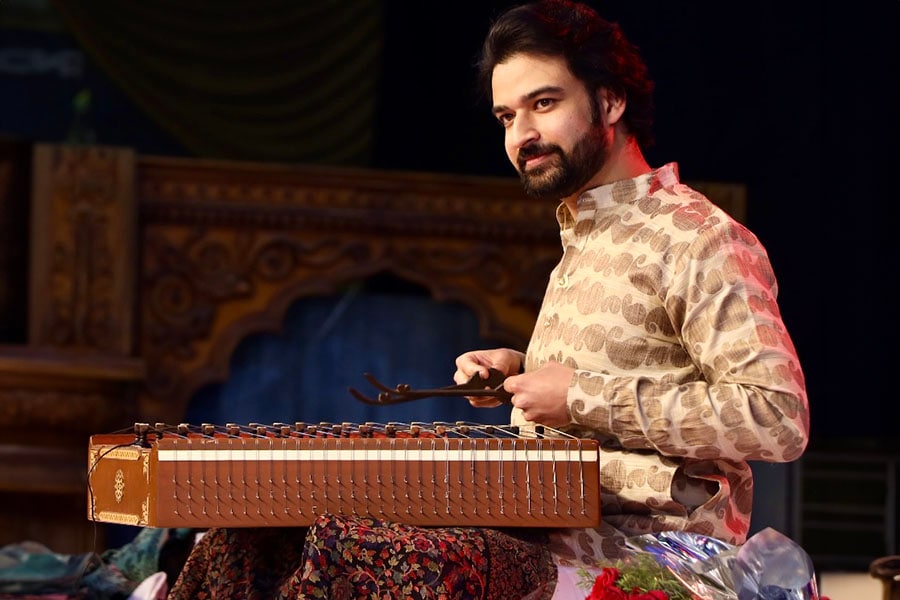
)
(507, 361)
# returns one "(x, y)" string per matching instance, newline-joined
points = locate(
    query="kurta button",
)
(563, 280)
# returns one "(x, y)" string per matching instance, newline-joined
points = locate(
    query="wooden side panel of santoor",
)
(121, 481)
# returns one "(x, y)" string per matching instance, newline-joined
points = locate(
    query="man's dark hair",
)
(596, 51)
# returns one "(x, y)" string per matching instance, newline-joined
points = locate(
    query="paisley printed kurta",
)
(666, 308)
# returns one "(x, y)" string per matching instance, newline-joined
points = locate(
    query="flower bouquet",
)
(685, 566)
(637, 578)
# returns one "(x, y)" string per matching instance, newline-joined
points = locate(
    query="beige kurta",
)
(666, 307)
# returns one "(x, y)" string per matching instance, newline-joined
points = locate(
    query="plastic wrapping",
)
(769, 566)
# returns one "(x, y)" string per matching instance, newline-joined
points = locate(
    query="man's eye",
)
(544, 103)
(505, 119)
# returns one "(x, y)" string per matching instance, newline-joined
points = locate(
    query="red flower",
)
(605, 588)
(607, 577)
(607, 593)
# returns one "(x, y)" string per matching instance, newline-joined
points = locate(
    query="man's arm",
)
(749, 404)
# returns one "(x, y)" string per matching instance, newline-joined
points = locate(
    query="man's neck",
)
(625, 161)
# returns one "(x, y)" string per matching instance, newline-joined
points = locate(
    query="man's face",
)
(554, 133)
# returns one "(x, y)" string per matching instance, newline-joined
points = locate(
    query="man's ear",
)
(612, 105)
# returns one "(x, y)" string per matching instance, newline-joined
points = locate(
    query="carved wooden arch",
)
(227, 248)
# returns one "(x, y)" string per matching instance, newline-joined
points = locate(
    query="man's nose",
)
(523, 132)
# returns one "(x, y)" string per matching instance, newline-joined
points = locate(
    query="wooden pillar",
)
(83, 249)
(77, 374)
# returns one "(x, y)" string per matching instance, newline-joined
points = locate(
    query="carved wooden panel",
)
(228, 247)
(82, 248)
(58, 397)
(51, 401)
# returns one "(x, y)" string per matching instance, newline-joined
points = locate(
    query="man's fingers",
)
(483, 401)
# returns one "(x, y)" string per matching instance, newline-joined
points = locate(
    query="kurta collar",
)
(625, 191)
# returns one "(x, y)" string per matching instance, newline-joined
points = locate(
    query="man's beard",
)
(565, 174)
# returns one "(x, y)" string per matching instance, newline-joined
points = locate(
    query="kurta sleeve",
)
(748, 403)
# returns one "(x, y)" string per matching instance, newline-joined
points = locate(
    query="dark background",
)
(797, 100)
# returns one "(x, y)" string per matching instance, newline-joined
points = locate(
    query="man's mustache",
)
(529, 152)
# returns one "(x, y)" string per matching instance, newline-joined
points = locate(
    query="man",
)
(659, 335)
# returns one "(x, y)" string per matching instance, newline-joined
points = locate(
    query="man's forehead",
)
(522, 75)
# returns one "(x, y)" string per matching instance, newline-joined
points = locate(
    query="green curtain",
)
(269, 80)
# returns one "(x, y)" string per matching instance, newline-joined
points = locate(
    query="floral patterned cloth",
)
(349, 558)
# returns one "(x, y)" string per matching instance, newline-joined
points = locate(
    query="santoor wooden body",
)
(248, 481)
